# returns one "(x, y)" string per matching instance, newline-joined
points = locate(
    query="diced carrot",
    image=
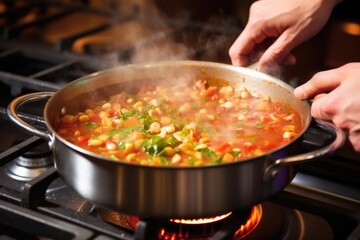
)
(95, 118)
(112, 112)
(209, 92)
(225, 147)
(248, 146)
(131, 121)
(82, 140)
(268, 146)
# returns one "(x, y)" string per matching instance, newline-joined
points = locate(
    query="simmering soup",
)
(187, 125)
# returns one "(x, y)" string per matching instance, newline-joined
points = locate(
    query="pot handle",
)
(19, 101)
(272, 170)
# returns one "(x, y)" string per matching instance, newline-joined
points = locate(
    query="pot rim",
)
(190, 63)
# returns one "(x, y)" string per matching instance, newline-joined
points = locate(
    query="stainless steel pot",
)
(181, 192)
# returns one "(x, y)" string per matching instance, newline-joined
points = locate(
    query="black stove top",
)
(322, 202)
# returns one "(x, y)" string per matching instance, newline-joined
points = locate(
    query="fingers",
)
(250, 47)
(354, 137)
(279, 51)
(319, 108)
(289, 60)
(243, 47)
(321, 82)
(334, 108)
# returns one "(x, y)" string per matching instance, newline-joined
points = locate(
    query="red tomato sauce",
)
(189, 125)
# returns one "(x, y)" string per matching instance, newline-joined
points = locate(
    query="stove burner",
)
(264, 221)
(196, 229)
(31, 164)
(205, 228)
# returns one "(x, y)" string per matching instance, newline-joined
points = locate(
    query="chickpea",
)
(138, 105)
(198, 163)
(110, 146)
(186, 146)
(103, 137)
(154, 102)
(245, 94)
(228, 91)
(169, 129)
(210, 117)
(129, 147)
(289, 128)
(228, 105)
(289, 117)
(89, 111)
(154, 128)
(131, 157)
(95, 142)
(202, 111)
(176, 158)
(191, 126)
(185, 108)
(162, 133)
(106, 106)
(286, 135)
(84, 118)
(204, 140)
(69, 119)
(228, 157)
(169, 151)
(165, 121)
(201, 146)
(137, 144)
(199, 155)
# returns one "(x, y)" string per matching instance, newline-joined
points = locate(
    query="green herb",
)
(205, 128)
(164, 161)
(145, 109)
(191, 161)
(91, 125)
(208, 152)
(184, 132)
(217, 159)
(172, 141)
(128, 114)
(252, 139)
(122, 144)
(235, 152)
(170, 110)
(147, 121)
(125, 131)
(155, 146)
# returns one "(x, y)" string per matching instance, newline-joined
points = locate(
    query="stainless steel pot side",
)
(176, 192)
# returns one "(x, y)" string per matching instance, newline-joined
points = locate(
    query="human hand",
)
(279, 26)
(341, 104)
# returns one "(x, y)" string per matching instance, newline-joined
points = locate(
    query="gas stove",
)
(46, 44)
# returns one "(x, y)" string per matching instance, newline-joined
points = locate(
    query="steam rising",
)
(274, 70)
(159, 33)
(168, 31)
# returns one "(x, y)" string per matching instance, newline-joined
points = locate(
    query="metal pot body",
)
(169, 192)
(176, 192)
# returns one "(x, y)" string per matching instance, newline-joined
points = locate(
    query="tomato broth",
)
(186, 125)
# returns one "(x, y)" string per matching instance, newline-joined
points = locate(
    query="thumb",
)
(318, 108)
